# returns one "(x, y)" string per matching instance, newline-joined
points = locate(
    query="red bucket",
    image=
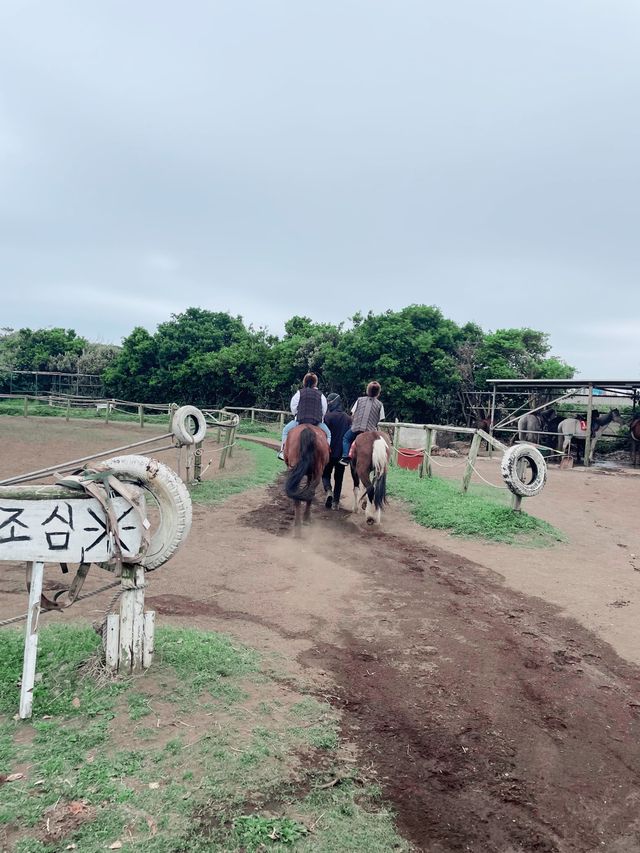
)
(408, 458)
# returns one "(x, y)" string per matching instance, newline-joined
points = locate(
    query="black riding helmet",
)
(334, 402)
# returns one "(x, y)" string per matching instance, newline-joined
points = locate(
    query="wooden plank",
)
(148, 640)
(31, 641)
(112, 641)
(66, 530)
(491, 440)
(138, 618)
(471, 461)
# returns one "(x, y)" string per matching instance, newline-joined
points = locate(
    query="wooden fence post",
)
(131, 619)
(253, 415)
(471, 461)
(68, 414)
(197, 462)
(141, 414)
(396, 443)
(425, 467)
(26, 407)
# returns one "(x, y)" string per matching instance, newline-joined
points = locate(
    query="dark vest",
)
(367, 414)
(338, 423)
(309, 407)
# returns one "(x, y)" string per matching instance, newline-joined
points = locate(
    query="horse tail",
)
(304, 468)
(380, 459)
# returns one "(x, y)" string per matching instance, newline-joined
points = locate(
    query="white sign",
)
(64, 530)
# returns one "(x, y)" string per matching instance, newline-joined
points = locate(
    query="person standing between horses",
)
(367, 413)
(339, 422)
(308, 406)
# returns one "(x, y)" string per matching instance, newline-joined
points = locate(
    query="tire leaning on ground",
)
(169, 494)
(180, 425)
(513, 462)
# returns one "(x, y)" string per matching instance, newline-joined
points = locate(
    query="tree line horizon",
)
(429, 366)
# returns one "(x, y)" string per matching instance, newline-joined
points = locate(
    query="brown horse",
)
(370, 456)
(306, 453)
(634, 429)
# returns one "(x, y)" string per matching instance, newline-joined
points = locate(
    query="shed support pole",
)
(587, 443)
(492, 419)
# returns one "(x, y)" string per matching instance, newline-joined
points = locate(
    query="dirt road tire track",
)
(494, 723)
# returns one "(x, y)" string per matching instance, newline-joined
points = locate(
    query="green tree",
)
(411, 352)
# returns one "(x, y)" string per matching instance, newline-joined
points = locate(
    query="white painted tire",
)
(520, 453)
(180, 425)
(171, 496)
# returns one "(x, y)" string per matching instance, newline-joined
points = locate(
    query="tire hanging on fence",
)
(513, 460)
(172, 499)
(180, 425)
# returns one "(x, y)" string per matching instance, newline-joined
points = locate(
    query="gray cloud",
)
(277, 158)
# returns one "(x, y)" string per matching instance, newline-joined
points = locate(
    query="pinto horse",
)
(306, 453)
(370, 456)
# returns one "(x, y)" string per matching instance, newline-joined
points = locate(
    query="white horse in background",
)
(571, 428)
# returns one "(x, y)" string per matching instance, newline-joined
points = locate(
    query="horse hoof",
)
(329, 502)
(371, 521)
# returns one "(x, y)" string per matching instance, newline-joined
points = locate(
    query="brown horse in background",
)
(306, 453)
(370, 456)
(634, 429)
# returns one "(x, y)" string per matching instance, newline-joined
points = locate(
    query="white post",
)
(149, 638)
(131, 618)
(112, 641)
(138, 619)
(31, 642)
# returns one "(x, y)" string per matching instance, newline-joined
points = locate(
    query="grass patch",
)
(205, 752)
(439, 503)
(261, 429)
(264, 468)
(90, 413)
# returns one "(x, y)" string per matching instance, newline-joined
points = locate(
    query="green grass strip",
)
(265, 467)
(201, 754)
(440, 504)
(43, 410)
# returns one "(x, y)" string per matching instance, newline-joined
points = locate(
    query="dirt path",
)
(494, 723)
(595, 575)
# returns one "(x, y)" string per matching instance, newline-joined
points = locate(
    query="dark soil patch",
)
(494, 724)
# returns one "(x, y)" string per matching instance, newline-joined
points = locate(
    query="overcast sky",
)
(277, 158)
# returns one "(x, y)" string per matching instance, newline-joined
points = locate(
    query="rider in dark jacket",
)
(339, 423)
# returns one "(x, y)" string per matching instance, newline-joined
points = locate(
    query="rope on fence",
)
(104, 588)
(217, 450)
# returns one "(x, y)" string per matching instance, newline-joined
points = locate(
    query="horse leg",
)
(297, 519)
(306, 518)
(326, 482)
(356, 488)
(371, 514)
